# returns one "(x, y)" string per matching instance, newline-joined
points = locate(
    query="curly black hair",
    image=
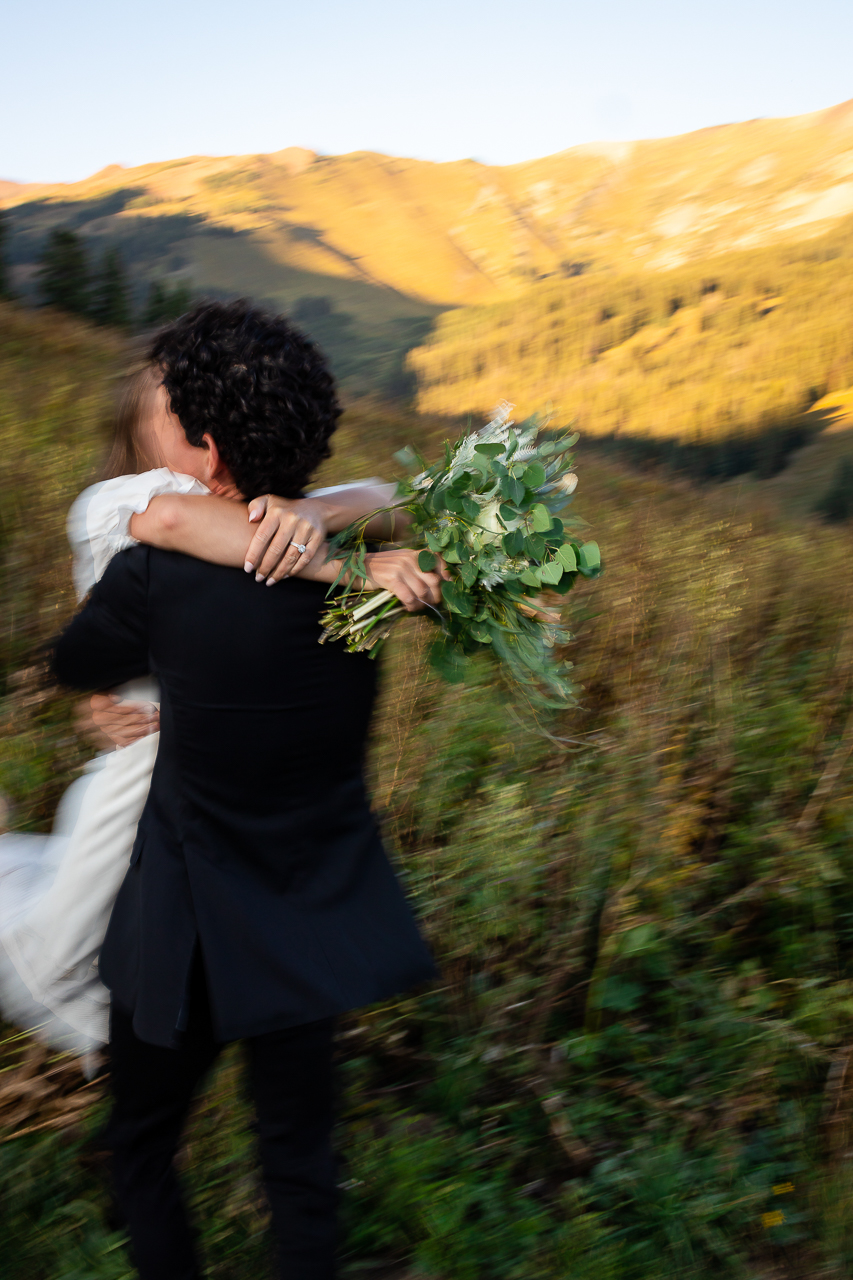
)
(259, 386)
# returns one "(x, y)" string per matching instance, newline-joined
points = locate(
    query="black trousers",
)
(291, 1079)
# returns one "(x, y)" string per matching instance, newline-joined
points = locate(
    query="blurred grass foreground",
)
(638, 1060)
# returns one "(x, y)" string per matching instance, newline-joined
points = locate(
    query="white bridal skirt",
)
(57, 892)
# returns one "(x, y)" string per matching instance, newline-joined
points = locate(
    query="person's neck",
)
(222, 484)
(225, 488)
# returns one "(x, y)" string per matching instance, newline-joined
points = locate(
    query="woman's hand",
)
(398, 572)
(119, 722)
(286, 525)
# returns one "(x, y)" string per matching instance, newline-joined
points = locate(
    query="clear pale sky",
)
(88, 83)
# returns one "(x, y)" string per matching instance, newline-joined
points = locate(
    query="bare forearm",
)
(319, 569)
(213, 529)
(207, 527)
(218, 530)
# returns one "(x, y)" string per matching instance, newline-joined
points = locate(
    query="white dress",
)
(57, 890)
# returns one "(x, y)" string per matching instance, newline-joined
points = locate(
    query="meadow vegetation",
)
(637, 1061)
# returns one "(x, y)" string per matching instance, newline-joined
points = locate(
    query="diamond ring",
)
(300, 548)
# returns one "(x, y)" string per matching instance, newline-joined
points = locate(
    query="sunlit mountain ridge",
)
(367, 249)
(464, 232)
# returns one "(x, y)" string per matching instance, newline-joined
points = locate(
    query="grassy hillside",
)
(55, 402)
(733, 346)
(636, 1062)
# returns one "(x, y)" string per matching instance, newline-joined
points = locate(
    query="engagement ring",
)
(299, 548)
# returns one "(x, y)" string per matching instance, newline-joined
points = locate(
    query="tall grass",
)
(635, 1062)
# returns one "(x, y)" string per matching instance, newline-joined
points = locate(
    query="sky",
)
(101, 82)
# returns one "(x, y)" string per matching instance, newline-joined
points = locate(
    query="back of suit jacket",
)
(257, 843)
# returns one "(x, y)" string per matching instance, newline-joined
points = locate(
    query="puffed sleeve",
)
(99, 520)
(106, 644)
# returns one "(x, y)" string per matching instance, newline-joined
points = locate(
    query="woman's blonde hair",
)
(126, 456)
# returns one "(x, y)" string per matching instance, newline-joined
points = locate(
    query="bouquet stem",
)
(365, 627)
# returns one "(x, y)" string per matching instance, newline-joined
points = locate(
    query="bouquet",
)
(490, 509)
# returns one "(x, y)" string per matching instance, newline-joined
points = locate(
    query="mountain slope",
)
(464, 232)
(732, 346)
(366, 250)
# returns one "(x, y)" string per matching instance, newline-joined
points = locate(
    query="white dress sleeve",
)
(99, 520)
(340, 488)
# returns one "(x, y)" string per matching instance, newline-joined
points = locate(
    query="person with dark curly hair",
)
(259, 903)
(255, 383)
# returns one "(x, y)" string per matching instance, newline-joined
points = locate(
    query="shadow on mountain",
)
(138, 238)
(365, 328)
(763, 450)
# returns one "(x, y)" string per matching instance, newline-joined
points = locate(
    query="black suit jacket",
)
(257, 842)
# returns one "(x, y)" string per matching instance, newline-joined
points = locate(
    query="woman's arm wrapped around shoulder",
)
(272, 537)
(217, 529)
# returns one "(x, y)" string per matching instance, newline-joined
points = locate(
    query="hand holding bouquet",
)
(489, 509)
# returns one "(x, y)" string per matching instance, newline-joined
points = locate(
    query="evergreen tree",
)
(5, 286)
(110, 302)
(165, 304)
(64, 272)
(154, 305)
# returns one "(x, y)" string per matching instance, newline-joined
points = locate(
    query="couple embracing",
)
(253, 901)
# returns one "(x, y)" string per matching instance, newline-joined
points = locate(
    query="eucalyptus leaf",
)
(408, 458)
(550, 573)
(456, 599)
(566, 555)
(445, 657)
(541, 518)
(534, 475)
(513, 542)
(565, 584)
(590, 556)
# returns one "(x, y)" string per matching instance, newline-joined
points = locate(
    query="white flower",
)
(568, 483)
